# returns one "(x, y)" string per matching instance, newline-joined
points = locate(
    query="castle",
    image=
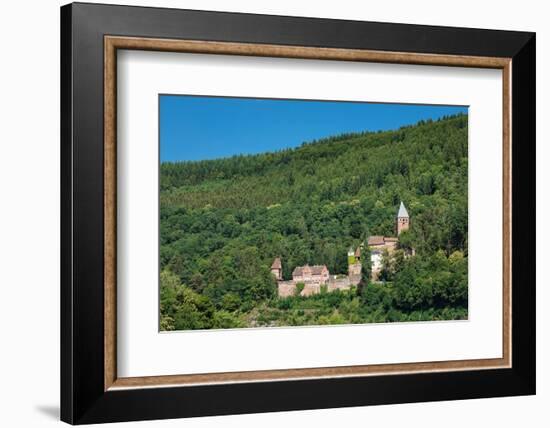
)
(378, 244)
(312, 278)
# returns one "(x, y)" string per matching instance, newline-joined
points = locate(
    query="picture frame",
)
(91, 35)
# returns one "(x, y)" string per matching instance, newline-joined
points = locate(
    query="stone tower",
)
(354, 263)
(402, 221)
(277, 269)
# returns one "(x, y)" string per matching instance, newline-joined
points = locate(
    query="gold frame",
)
(113, 43)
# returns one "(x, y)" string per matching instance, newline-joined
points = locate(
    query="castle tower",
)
(277, 269)
(354, 264)
(402, 220)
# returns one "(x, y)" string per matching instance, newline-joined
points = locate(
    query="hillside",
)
(223, 221)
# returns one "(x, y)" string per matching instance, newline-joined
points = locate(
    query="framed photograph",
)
(267, 213)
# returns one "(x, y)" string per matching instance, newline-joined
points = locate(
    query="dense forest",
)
(223, 221)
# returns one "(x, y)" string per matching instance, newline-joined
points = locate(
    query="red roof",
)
(376, 240)
(277, 264)
(315, 270)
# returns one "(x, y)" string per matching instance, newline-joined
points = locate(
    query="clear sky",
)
(195, 127)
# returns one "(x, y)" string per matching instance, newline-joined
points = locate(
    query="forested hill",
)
(334, 169)
(223, 221)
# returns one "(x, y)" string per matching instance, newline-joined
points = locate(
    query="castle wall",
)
(286, 288)
(311, 289)
(354, 269)
(277, 273)
(339, 284)
(354, 279)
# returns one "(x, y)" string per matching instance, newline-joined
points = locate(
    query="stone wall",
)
(339, 284)
(286, 288)
(311, 289)
(354, 269)
(355, 279)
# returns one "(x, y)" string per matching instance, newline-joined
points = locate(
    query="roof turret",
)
(402, 211)
(277, 263)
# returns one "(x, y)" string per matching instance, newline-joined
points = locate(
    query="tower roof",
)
(277, 263)
(402, 211)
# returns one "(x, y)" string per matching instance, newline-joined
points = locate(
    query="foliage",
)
(299, 288)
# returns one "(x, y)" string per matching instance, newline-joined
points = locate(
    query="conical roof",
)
(402, 211)
(277, 263)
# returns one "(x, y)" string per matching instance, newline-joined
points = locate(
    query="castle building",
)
(277, 269)
(315, 277)
(317, 274)
(402, 221)
(379, 244)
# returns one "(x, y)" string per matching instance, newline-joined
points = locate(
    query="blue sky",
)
(195, 127)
